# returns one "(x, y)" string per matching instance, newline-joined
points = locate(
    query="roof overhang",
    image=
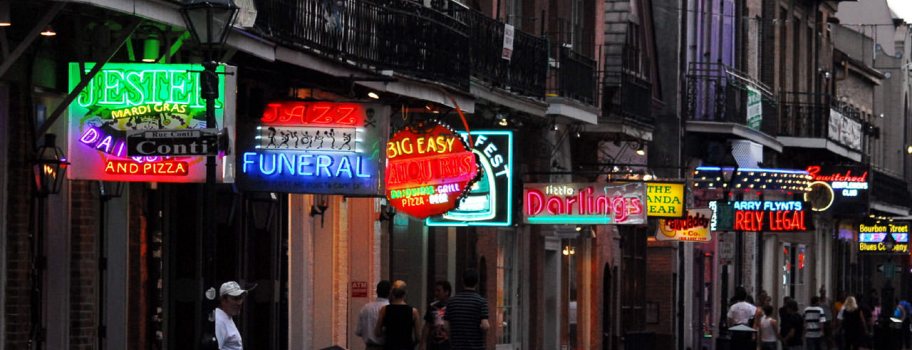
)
(735, 129)
(573, 110)
(818, 143)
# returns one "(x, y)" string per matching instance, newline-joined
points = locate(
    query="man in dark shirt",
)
(434, 336)
(467, 315)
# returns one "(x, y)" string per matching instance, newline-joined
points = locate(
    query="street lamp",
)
(49, 165)
(209, 21)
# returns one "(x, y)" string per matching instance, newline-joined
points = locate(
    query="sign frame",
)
(683, 204)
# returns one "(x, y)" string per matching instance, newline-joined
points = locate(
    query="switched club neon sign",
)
(125, 97)
(315, 147)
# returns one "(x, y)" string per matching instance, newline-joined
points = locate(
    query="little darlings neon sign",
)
(583, 203)
(429, 168)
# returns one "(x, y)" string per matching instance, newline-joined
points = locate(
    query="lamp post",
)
(106, 192)
(209, 21)
(49, 166)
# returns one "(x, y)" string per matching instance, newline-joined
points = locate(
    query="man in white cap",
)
(231, 298)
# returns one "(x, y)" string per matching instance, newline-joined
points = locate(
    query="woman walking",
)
(854, 326)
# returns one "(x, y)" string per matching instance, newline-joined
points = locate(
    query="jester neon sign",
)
(134, 96)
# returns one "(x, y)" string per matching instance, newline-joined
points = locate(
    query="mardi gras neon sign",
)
(429, 168)
(138, 96)
(315, 147)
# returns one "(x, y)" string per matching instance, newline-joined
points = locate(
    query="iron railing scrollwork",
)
(573, 76)
(718, 93)
(809, 115)
(626, 92)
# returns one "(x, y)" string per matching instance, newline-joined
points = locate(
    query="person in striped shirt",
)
(467, 315)
(814, 324)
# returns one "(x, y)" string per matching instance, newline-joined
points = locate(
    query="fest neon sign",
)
(140, 96)
(585, 203)
(429, 168)
(315, 147)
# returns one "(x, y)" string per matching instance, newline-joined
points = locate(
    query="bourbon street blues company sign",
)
(125, 97)
(490, 199)
(315, 147)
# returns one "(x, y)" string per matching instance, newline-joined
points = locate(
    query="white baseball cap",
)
(232, 288)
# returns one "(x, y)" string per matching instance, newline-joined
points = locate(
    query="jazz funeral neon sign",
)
(780, 216)
(429, 168)
(316, 147)
(584, 203)
(124, 97)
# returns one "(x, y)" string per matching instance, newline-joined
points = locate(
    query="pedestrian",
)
(853, 324)
(814, 324)
(368, 316)
(907, 307)
(467, 315)
(398, 321)
(769, 330)
(743, 320)
(231, 299)
(434, 334)
(791, 327)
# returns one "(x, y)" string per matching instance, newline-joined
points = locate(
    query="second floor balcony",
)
(446, 45)
(812, 120)
(572, 76)
(626, 88)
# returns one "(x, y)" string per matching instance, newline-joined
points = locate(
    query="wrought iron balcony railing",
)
(398, 35)
(814, 115)
(626, 93)
(718, 93)
(573, 76)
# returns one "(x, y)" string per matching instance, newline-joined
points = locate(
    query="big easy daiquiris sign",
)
(428, 169)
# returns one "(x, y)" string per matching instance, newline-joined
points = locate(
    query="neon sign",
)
(842, 189)
(584, 203)
(692, 228)
(124, 97)
(872, 237)
(778, 216)
(315, 147)
(429, 168)
(489, 201)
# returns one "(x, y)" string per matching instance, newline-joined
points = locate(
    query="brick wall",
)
(19, 189)
(83, 264)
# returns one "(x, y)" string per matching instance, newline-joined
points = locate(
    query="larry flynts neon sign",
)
(758, 216)
(315, 147)
(140, 96)
(584, 203)
(429, 168)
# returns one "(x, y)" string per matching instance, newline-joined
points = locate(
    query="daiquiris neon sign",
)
(315, 147)
(429, 169)
(138, 96)
(584, 203)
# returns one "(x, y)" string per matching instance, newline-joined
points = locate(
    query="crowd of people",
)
(451, 322)
(859, 323)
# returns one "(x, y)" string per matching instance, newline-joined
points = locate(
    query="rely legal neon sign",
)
(135, 96)
(315, 147)
(758, 216)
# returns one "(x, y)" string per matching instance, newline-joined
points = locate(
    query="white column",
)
(300, 271)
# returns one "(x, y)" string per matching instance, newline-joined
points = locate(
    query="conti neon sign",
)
(124, 97)
(872, 237)
(490, 199)
(778, 216)
(584, 203)
(429, 168)
(315, 147)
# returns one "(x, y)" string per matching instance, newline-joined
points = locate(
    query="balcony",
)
(447, 43)
(373, 36)
(719, 100)
(627, 93)
(811, 120)
(572, 76)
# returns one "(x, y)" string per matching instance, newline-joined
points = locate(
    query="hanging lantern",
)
(50, 167)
